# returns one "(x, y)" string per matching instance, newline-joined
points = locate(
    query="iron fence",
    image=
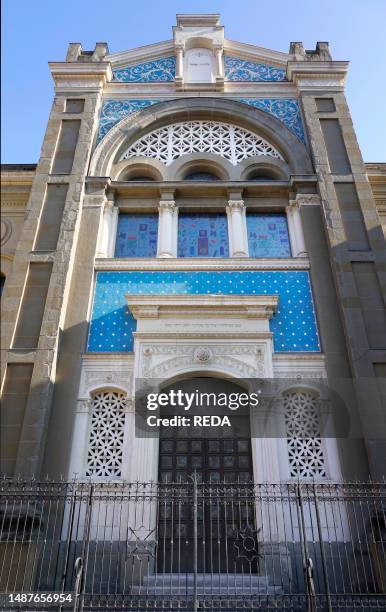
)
(193, 546)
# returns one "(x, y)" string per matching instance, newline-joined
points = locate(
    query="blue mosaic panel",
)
(293, 326)
(115, 110)
(203, 235)
(136, 236)
(237, 69)
(287, 110)
(268, 235)
(156, 71)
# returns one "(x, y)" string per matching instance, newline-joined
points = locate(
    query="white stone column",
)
(295, 229)
(179, 63)
(218, 50)
(108, 232)
(238, 243)
(167, 229)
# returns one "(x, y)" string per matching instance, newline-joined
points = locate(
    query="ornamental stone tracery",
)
(105, 449)
(304, 444)
(223, 139)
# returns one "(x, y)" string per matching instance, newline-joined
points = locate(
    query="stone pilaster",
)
(89, 80)
(344, 222)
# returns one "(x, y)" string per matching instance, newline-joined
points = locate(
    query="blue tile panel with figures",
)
(294, 324)
(268, 235)
(287, 110)
(237, 69)
(159, 70)
(115, 110)
(136, 236)
(202, 235)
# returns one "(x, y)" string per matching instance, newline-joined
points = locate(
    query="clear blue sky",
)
(38, 31)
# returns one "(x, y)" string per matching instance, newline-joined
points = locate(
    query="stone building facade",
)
(200, 208)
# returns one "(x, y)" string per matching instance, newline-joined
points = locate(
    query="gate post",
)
(307, 561)
(195, 542)
(322, 553)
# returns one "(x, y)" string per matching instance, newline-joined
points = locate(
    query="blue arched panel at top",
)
(294, 325)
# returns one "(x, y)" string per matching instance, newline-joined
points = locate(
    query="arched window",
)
(226, 140)
(140, 178)
(105, 446)
(201, 176)
(304, 444)
(263, 175)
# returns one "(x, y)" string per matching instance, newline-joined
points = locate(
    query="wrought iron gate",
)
(294, 546)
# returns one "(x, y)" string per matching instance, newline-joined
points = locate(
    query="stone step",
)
(219, 584)
(207, 580)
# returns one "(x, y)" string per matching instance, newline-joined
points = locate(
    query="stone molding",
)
(201, 264)
(105, 371)
(241, 359)
(171, 306)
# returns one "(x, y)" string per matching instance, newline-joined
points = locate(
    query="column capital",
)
(167, 205)
(292, 205)
(236, 204)
(309, 199)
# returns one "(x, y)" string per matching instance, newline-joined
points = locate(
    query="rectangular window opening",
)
(202, 235)
(137, 235)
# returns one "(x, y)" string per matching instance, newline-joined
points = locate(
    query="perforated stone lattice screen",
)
(106, 434)
(224, 139)
(305, 450)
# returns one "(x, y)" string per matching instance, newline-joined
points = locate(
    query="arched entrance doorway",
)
(206, 513)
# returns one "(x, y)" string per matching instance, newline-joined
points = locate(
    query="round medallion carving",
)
(202, 355)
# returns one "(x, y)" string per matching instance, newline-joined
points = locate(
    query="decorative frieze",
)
(237, 69)
(159, 70)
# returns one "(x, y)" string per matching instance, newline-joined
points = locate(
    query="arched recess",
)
(199, 162)
(273, 169)
(129, 129)
(128, 169)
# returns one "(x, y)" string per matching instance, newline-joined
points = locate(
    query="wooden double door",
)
(225, 509)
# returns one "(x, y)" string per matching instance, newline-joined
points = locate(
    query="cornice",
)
(17, 179)
(139, 54)
(247, 51)
(265, 189)
(168, 90)
(80, 74)
(209, 306)
(195, 264)
(317, 74)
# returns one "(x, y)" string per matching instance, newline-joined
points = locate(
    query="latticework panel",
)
(226, 140)
(106, 434)
(305, 449)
